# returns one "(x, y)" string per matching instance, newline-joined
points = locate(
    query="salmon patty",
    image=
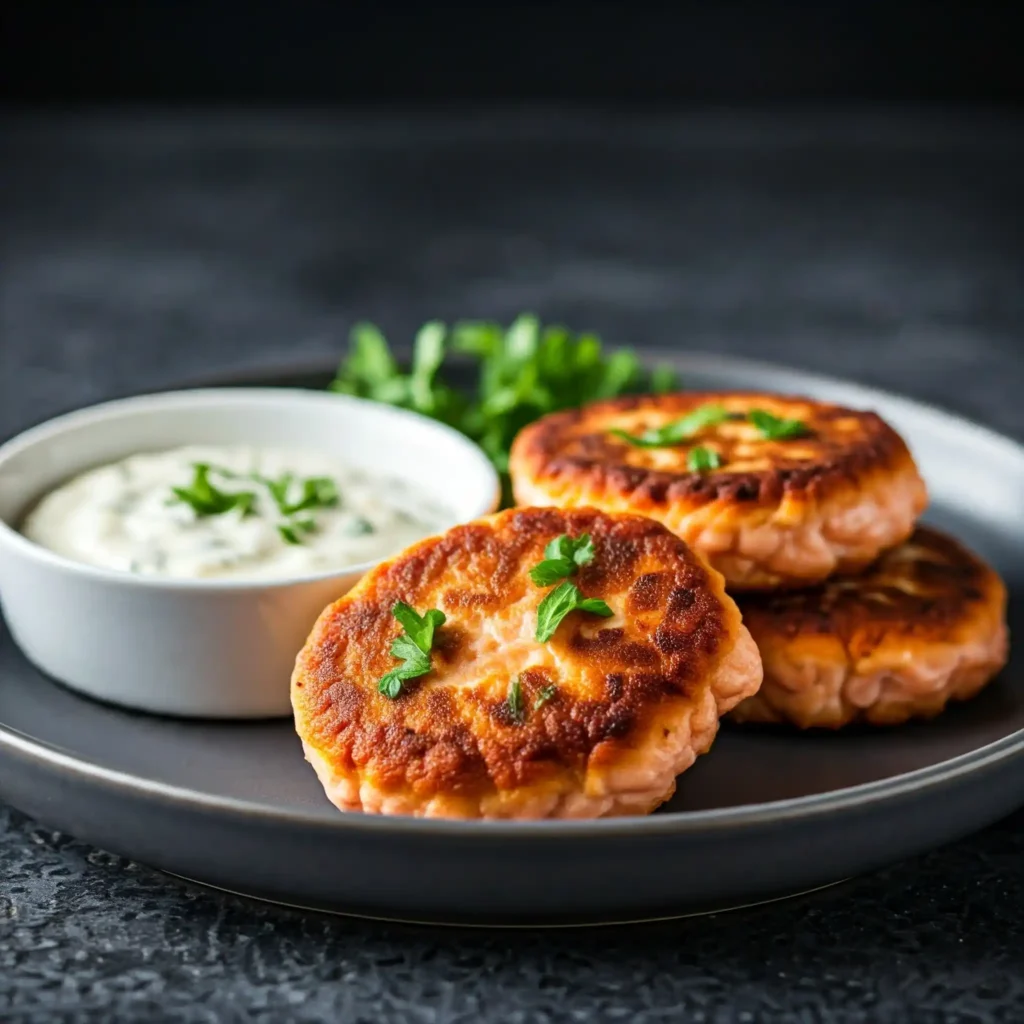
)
(772, 491)
(924, 626)
(537, 663)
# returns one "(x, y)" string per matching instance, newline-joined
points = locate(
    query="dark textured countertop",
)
(140, 250)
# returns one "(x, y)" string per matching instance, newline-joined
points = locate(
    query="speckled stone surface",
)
(140, 250)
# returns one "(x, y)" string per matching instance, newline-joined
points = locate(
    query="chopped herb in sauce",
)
(206, 499)
(360, 526)
(315, 492)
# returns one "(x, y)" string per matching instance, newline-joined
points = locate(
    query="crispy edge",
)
(537, 454)
(347, 723)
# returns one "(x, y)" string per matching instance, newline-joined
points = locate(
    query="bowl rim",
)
(219, 397)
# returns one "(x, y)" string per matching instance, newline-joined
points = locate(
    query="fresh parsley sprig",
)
(678, 430)
(524, 371)
(413, 646)
(564, 599)
(563, 557)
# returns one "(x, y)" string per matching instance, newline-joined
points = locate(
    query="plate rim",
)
(801, 808)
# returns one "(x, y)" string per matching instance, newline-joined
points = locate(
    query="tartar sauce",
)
(129, 515)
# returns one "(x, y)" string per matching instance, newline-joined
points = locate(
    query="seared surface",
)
(450, 744)
(776, 513)
(840, 443)
(924, 625)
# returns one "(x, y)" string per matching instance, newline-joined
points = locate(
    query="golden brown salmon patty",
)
(923, 626)
(597, 720)
(772, 491)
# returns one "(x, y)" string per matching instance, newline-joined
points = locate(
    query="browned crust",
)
(929, 590)
(575, 446)
(676, 625)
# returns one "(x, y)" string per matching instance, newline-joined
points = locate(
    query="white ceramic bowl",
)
(210, 648)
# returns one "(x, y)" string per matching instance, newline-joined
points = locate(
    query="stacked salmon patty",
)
(571, 657)
(810, 511)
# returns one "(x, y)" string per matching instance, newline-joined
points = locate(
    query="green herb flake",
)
(774, 428)
(289, 533)
(206, 499)
(563, 557)
(314, 492)
(419, 628)
(560, 602)
(359, 527)
(412, 647)
(678, 430)
(544, 694)
(514, 702)
(701, 459)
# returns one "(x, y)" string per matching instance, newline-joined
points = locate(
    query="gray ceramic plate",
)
(765, 814)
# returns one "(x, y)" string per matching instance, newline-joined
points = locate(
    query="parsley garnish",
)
(514, 702)
(678, 430)
(413, 646)
(774, 428)
(544, 694)
(316, 492)
(563, 557)
(292, 532)
(525, 371)
(560, 602)
(701, 459)
(208, 500)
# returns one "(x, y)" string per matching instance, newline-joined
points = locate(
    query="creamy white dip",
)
(126, 515)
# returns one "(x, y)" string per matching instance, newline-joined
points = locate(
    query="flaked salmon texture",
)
(777, 513)
(612, 709)
(924, 626)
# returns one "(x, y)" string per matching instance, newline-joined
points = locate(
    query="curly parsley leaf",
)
(560, 602)
(678, 430)
(775, 428)
(563, 557)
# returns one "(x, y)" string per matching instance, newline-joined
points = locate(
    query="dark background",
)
(832, 186)
(323, 53)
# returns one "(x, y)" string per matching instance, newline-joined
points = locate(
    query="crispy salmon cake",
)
(772, 491)
(576, 663)
(923, 626)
